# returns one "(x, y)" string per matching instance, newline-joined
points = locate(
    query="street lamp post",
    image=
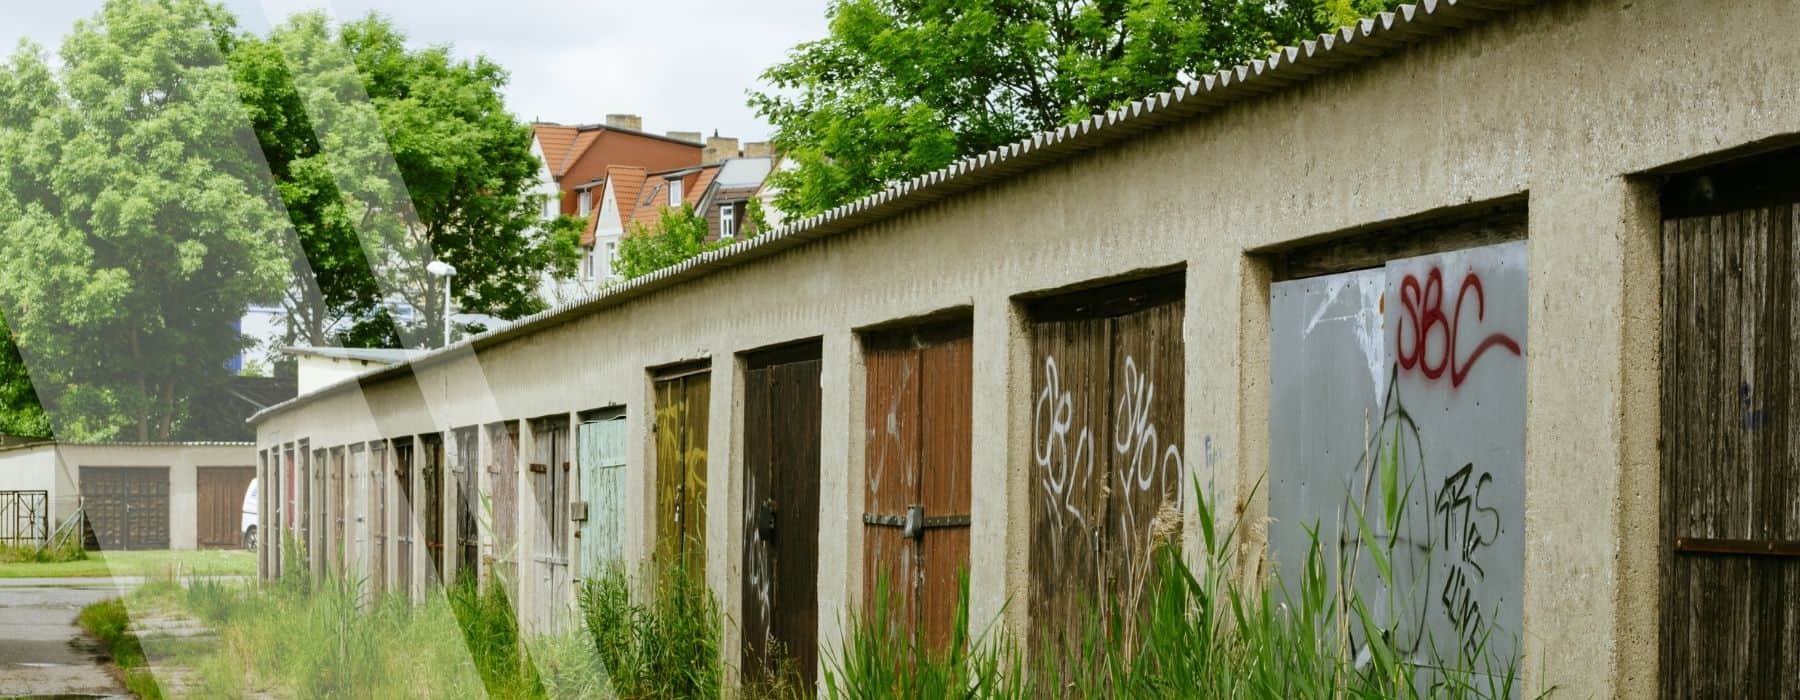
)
(439, 268)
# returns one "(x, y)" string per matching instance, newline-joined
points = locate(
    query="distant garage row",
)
(133, 495)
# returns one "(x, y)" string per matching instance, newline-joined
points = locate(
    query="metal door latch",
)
(765, 520)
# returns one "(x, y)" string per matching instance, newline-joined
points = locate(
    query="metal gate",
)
(1731, 439)
(378, 517)
(916, 465)
(468, 537)
(682, 404)
(431, 473)
(550, 491)
(503, 470)
(405, 515)
(781, 511)
(24, 518)
(127, 507)
(1106, 424)
(221, 509)
(602, 460)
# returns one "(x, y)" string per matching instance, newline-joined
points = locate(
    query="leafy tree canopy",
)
(903, 87)
(135, 217)
(387, 158)
(679, 234)
(20, 413)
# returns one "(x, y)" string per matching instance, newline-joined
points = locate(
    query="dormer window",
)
(586, 201)
(675, 192)
(728, 220)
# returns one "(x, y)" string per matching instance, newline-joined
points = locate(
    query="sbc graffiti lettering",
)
(1423, 316)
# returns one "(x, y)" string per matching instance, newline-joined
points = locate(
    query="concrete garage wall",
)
(1561, 105)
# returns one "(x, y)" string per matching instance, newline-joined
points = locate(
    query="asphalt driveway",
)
(42, 651)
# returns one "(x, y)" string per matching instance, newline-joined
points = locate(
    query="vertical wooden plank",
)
(757, 599)
(698, 389)
(403, 531)
(1144, 488)
(503, 471)
(796, 485)
(891, 476)
(671, 470)
(431, 472)
(378, 473)
(1071, 462)
(947, 400)
(468, 534)
(338, 479)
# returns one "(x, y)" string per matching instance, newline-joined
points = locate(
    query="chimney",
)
(688, 136)
(625, 121)
(757, 149)
(718, 148)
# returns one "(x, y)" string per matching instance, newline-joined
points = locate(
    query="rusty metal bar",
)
(900, 520)
(1746, 548)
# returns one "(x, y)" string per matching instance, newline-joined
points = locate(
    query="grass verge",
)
(149, 564)
(110, 623)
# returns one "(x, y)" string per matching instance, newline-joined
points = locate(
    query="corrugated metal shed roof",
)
(1287, 66)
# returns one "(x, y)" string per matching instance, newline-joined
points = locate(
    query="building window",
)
(550, 204)
(612, 255)
(587, 200)
(728, 220)
(675, 192)
(587, 264)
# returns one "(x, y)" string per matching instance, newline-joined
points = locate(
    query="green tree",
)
(901, 87)
(387, 158)
(679, 234)
(136, 222)
(20, 413)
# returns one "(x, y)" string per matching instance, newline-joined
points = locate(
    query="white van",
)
(248, 524)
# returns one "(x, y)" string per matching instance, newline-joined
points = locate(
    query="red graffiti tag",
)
(1424, 307)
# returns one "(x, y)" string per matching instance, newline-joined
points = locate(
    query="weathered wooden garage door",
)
(550, 470)
(127, 507)
(290, 470)
(318, 495)
(431, 473)
(221, 495)
(781, 511)
(1731, 448)
(378, 487)
(681, 428)
(916, 458)
(602, 459)
(503, 472)
(468, 537)
(403, 530)
(1106, 449)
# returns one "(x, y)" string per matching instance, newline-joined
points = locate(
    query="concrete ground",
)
(42, 651)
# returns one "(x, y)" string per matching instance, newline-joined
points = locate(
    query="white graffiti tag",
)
(1145, 465)
(1059, 464)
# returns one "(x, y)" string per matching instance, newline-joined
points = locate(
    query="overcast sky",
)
(682, 66)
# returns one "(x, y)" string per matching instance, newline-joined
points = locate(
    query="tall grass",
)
(69, 549)
(662, 644)
(1201, 631)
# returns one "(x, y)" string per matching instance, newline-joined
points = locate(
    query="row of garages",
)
(133, 495)
(1510, 282)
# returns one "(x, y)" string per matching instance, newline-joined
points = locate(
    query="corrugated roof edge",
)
(128, 443)
(1287, 66)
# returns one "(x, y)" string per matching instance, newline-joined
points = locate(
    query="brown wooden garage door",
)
(917, 457)
(1731, 436)
(781, 511)
(1106, 460)
(221, 508)
(127, 507)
